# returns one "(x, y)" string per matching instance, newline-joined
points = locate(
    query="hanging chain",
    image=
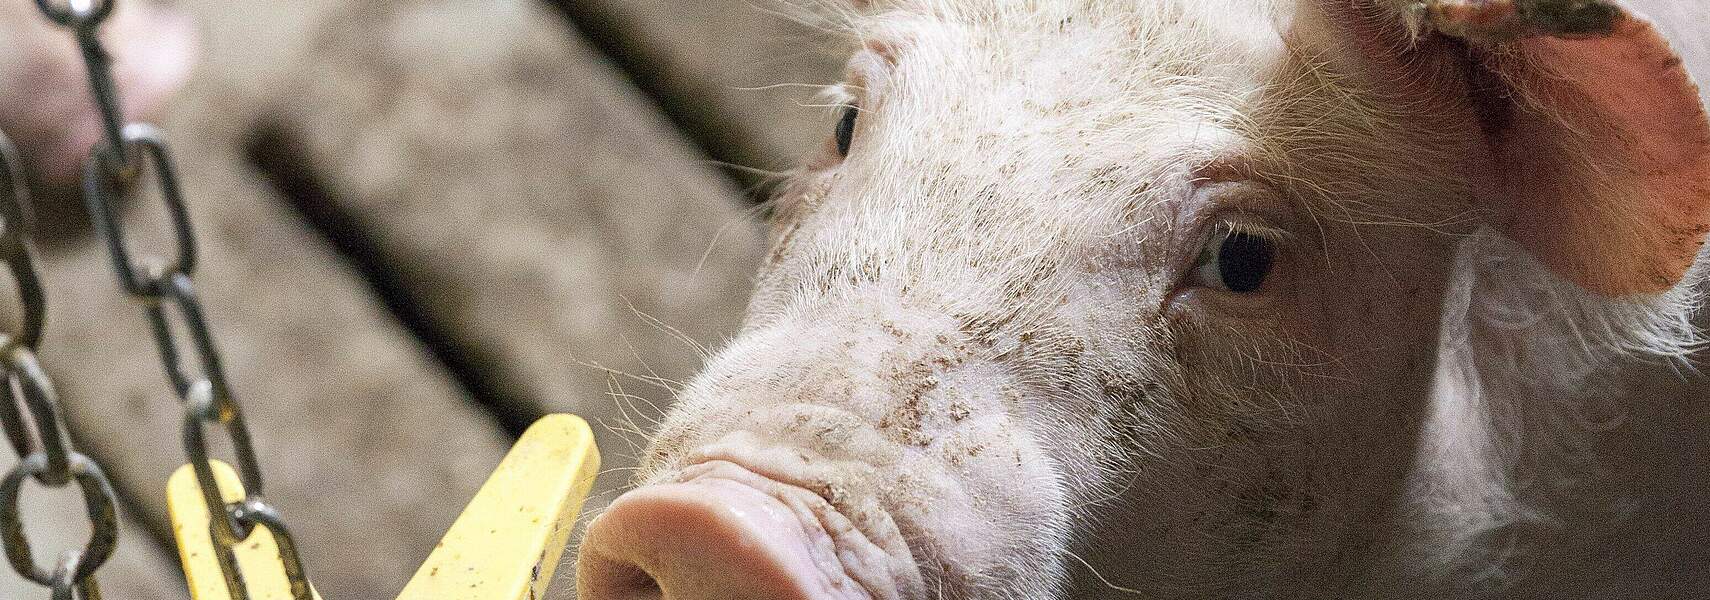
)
(44, 451)
(165, 289)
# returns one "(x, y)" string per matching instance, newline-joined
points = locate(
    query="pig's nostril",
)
(647, 589)
(706, 540)
(603, 577)
(630, 584)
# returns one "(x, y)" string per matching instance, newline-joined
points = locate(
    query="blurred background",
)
(425, 224)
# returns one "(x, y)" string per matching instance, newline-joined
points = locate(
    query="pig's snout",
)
(722, 532)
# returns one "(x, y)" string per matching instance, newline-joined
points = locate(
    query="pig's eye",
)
(846, 130)
(1236, 261)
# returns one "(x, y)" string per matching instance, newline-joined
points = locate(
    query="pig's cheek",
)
(992, 472)
(1228, 358)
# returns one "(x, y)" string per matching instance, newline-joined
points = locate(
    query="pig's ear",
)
(1603, 149)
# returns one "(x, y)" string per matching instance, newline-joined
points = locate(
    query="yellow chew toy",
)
(505, 546)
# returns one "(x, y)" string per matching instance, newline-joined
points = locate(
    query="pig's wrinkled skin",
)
(981, 362)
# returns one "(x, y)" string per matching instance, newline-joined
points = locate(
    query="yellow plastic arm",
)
(257, 556)
(506, 544)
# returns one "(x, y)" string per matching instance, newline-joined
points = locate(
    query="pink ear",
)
(1606, 157)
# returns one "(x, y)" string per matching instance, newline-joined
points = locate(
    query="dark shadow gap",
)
(700, 126)
(273, 151)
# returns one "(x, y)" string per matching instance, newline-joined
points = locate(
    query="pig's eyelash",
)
(835, 106)
(839, 95)
(1268, 233)
(781, 86)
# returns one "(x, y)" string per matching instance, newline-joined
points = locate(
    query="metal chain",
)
(164, 289)
(44, 451)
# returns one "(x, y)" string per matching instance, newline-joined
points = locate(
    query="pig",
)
(1212, 299)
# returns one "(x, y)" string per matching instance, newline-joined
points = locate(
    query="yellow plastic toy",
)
(505, 546)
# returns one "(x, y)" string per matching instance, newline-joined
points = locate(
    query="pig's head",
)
(1191, 285)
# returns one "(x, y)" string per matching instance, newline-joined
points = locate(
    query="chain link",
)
(44, 450)
(165, 289)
